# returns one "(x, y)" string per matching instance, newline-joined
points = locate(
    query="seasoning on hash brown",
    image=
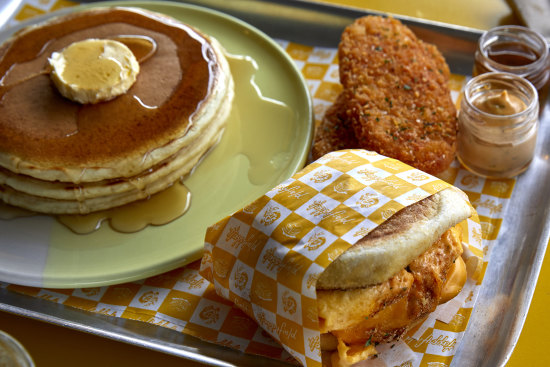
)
(334, 132)
(396, 97)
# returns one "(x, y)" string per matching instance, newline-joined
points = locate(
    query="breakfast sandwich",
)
(395, 97)
(106, 106)
(391, 279)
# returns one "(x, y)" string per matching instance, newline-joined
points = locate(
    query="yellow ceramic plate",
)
(254, 155)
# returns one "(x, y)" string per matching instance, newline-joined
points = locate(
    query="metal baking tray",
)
(514, 262)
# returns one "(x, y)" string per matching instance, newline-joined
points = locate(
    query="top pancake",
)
(51, 138)
(394, 244)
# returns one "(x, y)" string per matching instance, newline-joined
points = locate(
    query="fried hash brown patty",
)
(395, 97)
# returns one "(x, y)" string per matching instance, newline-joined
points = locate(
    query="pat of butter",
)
(93, 70)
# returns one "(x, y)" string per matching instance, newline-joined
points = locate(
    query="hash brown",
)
(395, 98)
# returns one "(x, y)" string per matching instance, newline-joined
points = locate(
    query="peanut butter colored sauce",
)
(498, 123)
(174, 79)
(501, 103)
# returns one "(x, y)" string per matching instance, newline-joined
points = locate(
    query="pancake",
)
(58, 156)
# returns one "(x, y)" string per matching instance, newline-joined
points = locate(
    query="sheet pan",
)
(514, 262)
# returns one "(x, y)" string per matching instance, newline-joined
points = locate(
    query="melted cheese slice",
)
(393, 316)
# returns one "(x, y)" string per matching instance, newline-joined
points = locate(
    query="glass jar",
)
(498, 123)
(12, 353)
(517, 50)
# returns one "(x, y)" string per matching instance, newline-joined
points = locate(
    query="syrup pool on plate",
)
(166, 206)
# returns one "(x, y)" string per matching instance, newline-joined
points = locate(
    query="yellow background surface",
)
(51, 345)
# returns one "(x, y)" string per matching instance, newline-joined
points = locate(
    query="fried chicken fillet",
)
(357, 313)
(395, 97)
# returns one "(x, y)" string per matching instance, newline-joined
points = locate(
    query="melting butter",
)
(257, 127)
(93, 70)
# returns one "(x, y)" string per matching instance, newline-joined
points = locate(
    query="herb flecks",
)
(369, 342)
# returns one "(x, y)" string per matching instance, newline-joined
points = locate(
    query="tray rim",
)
(542, 235)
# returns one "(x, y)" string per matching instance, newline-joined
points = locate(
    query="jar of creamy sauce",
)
(498, 124)
(517, 50)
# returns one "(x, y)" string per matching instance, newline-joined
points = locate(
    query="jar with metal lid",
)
(498, 124)
(517, 50)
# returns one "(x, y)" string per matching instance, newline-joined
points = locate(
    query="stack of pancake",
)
(61, 157)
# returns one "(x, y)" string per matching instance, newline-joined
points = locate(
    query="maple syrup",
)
(517, 50)
(170, 204)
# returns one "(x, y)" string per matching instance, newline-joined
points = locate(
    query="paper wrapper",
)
(266, 257)
(185, 301)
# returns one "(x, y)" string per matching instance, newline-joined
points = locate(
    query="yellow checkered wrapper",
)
(266, 257)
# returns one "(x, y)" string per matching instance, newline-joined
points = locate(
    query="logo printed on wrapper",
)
(348, 160)
(234, 237)
(436, 364)
(241, 278)
(470, 180)
(487, 229)
(315, 241)
(312, 280)
(314, 344)
(317, 209)
(361, 232)
(394, 183)
(294, 191)
(107, 311)
(342, 187)
(386, 214)
(149, 298)
(291, 230)
(417, 176)
(221, 267)
(90, 292)
(263, 291)
(237, 240)
(274, 263)
(229, 343)
(438, 186)
(332, 255)
(392, 165)
(270, 216)
(368, 175)
(193, 280)
(367, 200)
(289, 303)
(443, 341)
(489, 204)
(270, 260)
(250, 208)
(180, 304)
(457, 321)
(415, 197)
(406, 364)
(476, 234)
(499, 187)
(210, 314)
(282, 330)
(321, 176)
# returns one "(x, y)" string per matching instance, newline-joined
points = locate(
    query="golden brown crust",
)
(334, 132)
(429, 272)
(397, 242)
(397, 100)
